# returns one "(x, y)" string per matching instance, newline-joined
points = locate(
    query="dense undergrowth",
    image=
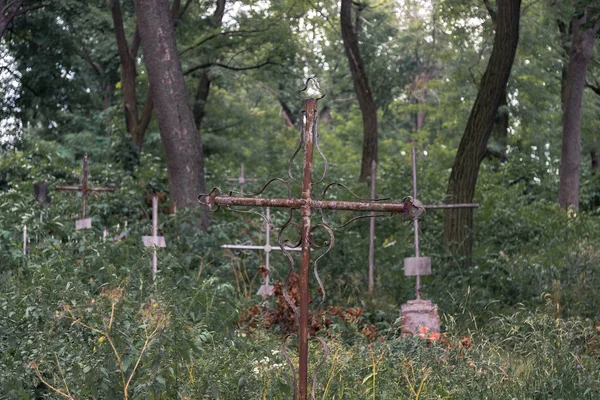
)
(81, 318)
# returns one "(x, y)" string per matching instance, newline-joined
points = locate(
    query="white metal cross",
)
(241, 179)
(154, 241)
(266, 288)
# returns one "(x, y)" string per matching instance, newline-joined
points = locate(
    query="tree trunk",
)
(128, 74)
(182, 143)
(581, 53)
(362, 88)
(473, 145)
(201, 98)
(204, 82)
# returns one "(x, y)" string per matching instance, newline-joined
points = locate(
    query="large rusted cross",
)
(84, 223)
(306, 204)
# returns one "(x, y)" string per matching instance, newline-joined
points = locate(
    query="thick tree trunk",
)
(581, 53)
(182, 143)
(362, 88)
(473, 145)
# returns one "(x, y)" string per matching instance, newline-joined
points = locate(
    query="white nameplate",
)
(158, 241)
(85, 223)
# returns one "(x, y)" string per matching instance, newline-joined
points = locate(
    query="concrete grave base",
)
(420, 318)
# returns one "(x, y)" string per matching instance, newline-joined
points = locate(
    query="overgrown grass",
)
(82, 314)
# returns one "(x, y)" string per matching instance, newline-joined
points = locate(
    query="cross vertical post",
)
(372, 230)
(154, 241)
(24, 239)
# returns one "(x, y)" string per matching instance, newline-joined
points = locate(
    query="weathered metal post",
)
(372, 230)
(24, 239)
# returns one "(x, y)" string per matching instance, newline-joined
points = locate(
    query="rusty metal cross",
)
(306, 204)
(84, 223)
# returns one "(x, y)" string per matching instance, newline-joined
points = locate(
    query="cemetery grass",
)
(81, 318)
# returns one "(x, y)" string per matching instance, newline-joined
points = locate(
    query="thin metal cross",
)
(417, 265)
(25, 239)
(154, 241)
(372, 230)
(241, 179)
(84, 223)
(306, 205)
(266, 288)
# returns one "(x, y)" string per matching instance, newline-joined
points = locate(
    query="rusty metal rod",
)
(416, 220)
(460, 205)
(399, 208)
(372, 230)
(310, 108)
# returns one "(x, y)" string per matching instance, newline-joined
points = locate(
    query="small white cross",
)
(266, 288)
(154, 241)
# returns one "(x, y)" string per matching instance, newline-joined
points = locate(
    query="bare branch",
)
(225, 66)
(226, 33)
(595, 88)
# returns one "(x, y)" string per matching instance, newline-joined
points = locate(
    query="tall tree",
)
(364, 94)
(473, 145)
(181, 140)
(582, 46)
(136, 124)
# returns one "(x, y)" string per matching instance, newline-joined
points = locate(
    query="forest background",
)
(170, 98)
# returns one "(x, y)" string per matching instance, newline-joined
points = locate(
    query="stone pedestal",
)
(420, 318)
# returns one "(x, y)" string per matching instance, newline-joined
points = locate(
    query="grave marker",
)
(154, 241)
(306, 205)
(84, 223)
(420, 317)
(241, 179)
